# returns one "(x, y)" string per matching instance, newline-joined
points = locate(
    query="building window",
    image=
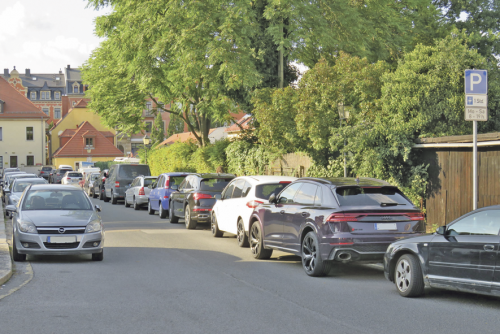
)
(1, 139)
(89, 142)
(33, 95)
(76, 89)
(30, 160)
(74, 103)
(57, 113)
(46, 111)
(57, 95)
(149, 107)
(29, 133)
(149, 125)
(45, 95)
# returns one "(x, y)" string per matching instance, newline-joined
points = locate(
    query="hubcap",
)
(309, 254)
(254, 239)
(403, 275)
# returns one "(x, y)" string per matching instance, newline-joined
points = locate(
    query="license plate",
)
(61, 240)
(386, 227)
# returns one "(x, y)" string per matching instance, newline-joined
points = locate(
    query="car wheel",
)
(408, 276)
(256, 245)
(98, 256)
(113, 198)
(105, 198)
(311, 258)
(241, 236)
(163, 212)
(173, 218)
(15, 255)
(101, 194)
(214, 227)
(125, 202)
(150, 211)
(190, 222)
(136, 206)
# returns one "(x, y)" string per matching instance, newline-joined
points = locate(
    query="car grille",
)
(55, 230)
(61, 246)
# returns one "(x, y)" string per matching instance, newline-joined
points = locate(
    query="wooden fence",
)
(291, 164)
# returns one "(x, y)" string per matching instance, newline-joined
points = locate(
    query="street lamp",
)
(343, 114)
(146, 142)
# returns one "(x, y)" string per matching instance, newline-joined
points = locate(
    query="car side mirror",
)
(272, 198)
(97, 208)
(11, 208)
(218, 196)
(441, 230)
(7, 191)
(174, 187)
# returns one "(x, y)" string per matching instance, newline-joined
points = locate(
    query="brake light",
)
(167, 182)
(103, 179)
(117, 184)
(254, 204)
(416, 216)
(285, 182)
(198, 196)
(342, 217)
(141, 191)
(166, 196)
(58, 174)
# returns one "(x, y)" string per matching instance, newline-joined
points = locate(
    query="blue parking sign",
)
(476, 82)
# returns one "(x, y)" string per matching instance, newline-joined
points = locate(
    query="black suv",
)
(119, 178)
(99, 184)
(196, 197)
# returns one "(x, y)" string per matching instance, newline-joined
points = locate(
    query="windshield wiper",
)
(391, 204)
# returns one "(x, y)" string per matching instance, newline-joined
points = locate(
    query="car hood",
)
(60, 217)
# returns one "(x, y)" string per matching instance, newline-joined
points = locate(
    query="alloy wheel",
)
(309, 254)
(187, 217)
(254, 239)
(403, 275)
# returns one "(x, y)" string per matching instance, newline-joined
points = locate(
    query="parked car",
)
(138, 193)
(59, 174)
(231, 213)
(5, 178)
(56, 220)
(119, 179)
(72, 178)
(461, 256)
(99, 184)
(45, 172)
(11, 177)
(159, 197)
(88, 185)
(328, 220)
(16, 190)
(195, 198)
(10, 169)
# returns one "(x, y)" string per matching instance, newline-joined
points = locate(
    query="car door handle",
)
(304, 214)
(489, 248)
(282, 212)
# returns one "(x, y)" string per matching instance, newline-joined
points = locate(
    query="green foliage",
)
(246, 158)
(158, 132)
(172, 158)
(175, 126)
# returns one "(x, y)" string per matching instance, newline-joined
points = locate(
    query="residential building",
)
(75, 89)
(235, 130)
(22, 129)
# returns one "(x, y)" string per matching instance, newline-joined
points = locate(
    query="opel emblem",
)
(61, 230)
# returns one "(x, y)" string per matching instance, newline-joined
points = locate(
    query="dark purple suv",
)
(328, 220)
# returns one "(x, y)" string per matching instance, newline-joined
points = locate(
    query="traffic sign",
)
(476, 82)
(476, 101)
(476, 114)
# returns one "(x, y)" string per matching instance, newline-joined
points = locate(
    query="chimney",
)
(60, 72)
(1, 106)
(28, 72)
(68, 67)
(6, 72)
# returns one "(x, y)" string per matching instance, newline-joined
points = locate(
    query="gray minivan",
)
(120, 177)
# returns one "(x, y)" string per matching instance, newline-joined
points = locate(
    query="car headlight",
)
(93, 226)
(27, 227)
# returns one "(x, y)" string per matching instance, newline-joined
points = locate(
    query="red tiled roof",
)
(182, 137)
(16, 105)
(75, 147)
(245, 122)
(68, 133)
(82, 103)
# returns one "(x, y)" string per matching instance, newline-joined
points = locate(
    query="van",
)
(119, 179)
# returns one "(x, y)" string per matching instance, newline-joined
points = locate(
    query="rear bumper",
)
(201, 214)
(141, 199)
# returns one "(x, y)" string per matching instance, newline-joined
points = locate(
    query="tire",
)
(113, 199)
(162, 213)
(104, 197)
(408, 276)
(101, 194)
(150, 211)
(214, 227)
(311, 258)
(125, 202)
(173, 218)
(256, 245)
(190, 223)
(98, 256)
(15, 255)
(94, 194)
(241, 236)
(136, 206)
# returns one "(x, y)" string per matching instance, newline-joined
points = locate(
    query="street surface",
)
(158, 277)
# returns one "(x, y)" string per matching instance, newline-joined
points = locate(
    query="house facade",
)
(22, 129)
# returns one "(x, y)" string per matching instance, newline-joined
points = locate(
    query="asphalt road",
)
(158, 277)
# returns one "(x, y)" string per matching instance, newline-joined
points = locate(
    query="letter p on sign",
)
(476, 82)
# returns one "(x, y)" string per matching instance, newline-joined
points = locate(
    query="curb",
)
(5, 259)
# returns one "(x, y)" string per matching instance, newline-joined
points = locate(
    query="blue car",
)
(159, 196)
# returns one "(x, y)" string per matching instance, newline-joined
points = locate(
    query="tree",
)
(158, 131)
(189, 52)
(176, 125)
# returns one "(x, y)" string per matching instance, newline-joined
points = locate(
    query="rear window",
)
(94, 177)
(265, 190)
(20, 186)
(371, 196)
(176, 180)
(46, 168)
(148, 182)
(131, 171)
(75, 174)
(214, 184)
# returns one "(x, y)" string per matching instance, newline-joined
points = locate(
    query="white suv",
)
(231, 213)
(72, 178)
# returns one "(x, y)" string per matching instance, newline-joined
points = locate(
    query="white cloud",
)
(12, 19)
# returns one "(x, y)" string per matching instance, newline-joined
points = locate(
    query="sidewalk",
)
(5, 260)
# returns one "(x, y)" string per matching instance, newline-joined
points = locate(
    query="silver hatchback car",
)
(56, 220)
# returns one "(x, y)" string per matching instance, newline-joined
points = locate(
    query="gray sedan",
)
(16, 190)
(137, 194)
(56, 220)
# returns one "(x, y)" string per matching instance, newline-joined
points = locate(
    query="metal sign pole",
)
(474, 167)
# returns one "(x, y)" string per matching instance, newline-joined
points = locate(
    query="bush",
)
(246, 158)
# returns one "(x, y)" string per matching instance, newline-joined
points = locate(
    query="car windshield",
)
(148, 182)
(214, 184)
(132, 171)
(369, 196)
(265, 190)
(19, 186)
(74, 174)
(56, 199)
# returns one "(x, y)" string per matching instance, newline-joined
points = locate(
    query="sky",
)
(46, 35)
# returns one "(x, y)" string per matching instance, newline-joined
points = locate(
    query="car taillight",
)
(167, 182)
(342, 217)
(198, 196)
(103, 179)
(254, 204)
(141, 191)
(416, 216)
(165, 197)
(117, 184)
(42, 172)
(58, 174)
(285, 182)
